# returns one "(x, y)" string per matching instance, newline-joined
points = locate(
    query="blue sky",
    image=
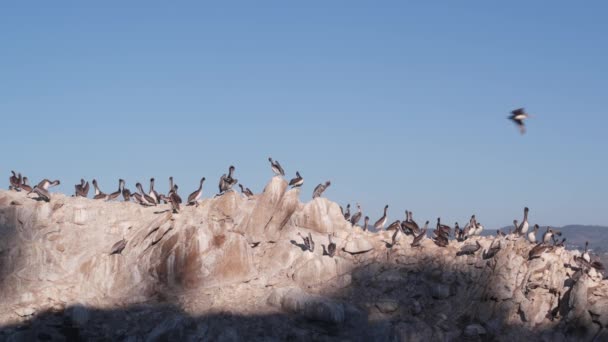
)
(399, 103)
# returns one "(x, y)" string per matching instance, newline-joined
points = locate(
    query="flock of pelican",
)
(17, 182)
(440, 235)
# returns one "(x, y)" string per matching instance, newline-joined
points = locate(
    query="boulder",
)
(322, 216)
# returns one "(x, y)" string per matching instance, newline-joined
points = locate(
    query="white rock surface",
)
(233, 269)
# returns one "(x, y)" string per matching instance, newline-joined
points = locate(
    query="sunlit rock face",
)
(237, 268)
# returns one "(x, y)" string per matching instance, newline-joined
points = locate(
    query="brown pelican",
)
(478, 228)
(532, 234)
(518, 116)
(418, 238)
(469, 249)
(115, 194)
(320, 189)
(196, 195)
(393, 240)
(409, 224)
(98, 193)
(170, 186)
(173, 199)
(153, 192)
(492, 251)
(347, 213)
(296, 182)
(42, 193)
(118, 247)
(538, 250)
(595, 264)
(309, 244)
(144, 198)
(470, 228)
(15, 181)
(25, 185)
(46, 184)
(548, 235)
(357, 216)
(246, 191)
(395, 225)
(331, 247)
(81, 189)
(379, 225)
(276, 167)
(443, 228)
(365, 222)
(227, 181)
(585, 254)
(126, 194)
(523, 227)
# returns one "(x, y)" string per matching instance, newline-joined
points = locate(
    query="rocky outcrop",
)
(235, 268)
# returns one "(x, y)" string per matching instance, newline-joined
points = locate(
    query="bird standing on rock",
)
(296, 182)
(379, 225)
(246, 191)
(347, 213)
(356, 217)
(81, 189)
(319, 189)
(15, 182)
(196, 195)
(276, 167)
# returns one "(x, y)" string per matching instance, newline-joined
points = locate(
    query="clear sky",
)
(399, 103)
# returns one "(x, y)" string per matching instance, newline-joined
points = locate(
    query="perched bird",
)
(365, 222)
(518, 116)
(175, 200)
(409, 225)
(98, 193)
(276, 167)
(309, 244)
(394, 226)
(442, 227)
(393, 240)
(153, 192)
(523, 227)
(538, 250)
(469, 249)
(81, 189)
(246, 191)
(15, 181)
(118, 247)
(115, 194)
(331, 247)
(532, 234)
(347, 213)
(585, 254)
(196, 195)
(548, 235)
(42, 193)
(492, 251)
(25, 185)
(379, 225)
(595, 264)
(142, 197)
(126, 194)
(227, 181)
(296, 182)
(46, 184)
(357, 216)
(418, 238)
(319, 189)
